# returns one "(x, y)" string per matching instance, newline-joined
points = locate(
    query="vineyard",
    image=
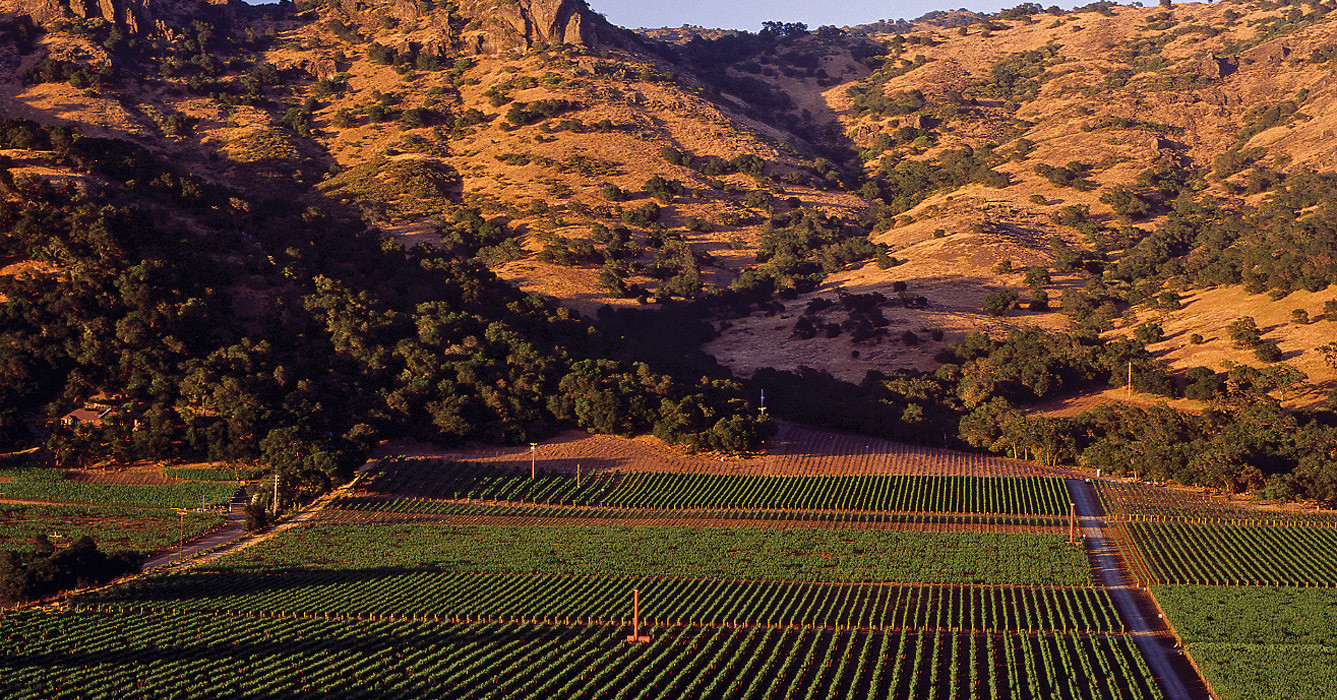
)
(1247, 589)
(800, 554)
(370, 510)
(52, 486)
(45, 655)
(603, 600)
(437, 479)
(1252, 614)
(851, 582)
(1176, 553)
(795, 451)
(1145, 502)
(1259, 642)
(133, 529)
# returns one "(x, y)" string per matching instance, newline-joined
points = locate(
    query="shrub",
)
(999, 303)
(1267, 352)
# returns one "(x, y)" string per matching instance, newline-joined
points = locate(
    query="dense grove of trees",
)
(1245, 440)
(42, 570)
(355, 338)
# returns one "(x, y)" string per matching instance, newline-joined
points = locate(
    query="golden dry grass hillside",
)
(608, 168)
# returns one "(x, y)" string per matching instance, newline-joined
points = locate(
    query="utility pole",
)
(532, 447)
(276, 492)
(577, 476)
(1130, 379)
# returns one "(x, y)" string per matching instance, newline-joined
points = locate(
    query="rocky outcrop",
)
(1217, 67)
(518, 25)
(134, 16)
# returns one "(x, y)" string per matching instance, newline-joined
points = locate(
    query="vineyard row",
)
(945, 494)
(44, 655)
(606, 600)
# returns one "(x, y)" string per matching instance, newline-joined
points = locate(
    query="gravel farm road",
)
(1151, 635)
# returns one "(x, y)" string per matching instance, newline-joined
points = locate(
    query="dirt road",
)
(1150, 634)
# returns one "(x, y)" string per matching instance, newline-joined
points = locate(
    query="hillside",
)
(497, 220)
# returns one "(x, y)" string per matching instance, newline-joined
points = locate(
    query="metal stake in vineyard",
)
(636, 636)
(532, 447)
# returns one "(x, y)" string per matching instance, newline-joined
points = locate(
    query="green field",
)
(1035, 496)
(1176, 553)
(366, 602)
(606, 599)
(45, 655)
(132, 529)
(1258, 643)
(49, 485)
(796, 554)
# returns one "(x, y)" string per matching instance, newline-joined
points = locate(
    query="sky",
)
(749, 14)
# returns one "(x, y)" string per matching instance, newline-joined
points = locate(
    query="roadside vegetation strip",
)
(113, 528)
(50, 485)
(795, 554)
(1147, 502)
(438, 479)
(605, 599)
(45, 655)
(1176, 553)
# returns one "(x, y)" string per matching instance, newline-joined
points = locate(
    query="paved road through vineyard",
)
(1160, 656)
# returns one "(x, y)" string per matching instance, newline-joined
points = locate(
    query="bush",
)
(674, 156)
(257, 518)
(999, 303)
(418, 117)
(1267, 352)
(759, 199)
(1244, 332)
(642, 216)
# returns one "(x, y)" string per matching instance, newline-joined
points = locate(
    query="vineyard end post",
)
(1072, 523)
(636, 636)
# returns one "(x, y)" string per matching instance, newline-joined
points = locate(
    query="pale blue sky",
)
(749, 14)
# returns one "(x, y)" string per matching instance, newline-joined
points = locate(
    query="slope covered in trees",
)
(362, 203)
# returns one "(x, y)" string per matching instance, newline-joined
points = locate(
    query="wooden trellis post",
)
(636, 635)
(1072, 523)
